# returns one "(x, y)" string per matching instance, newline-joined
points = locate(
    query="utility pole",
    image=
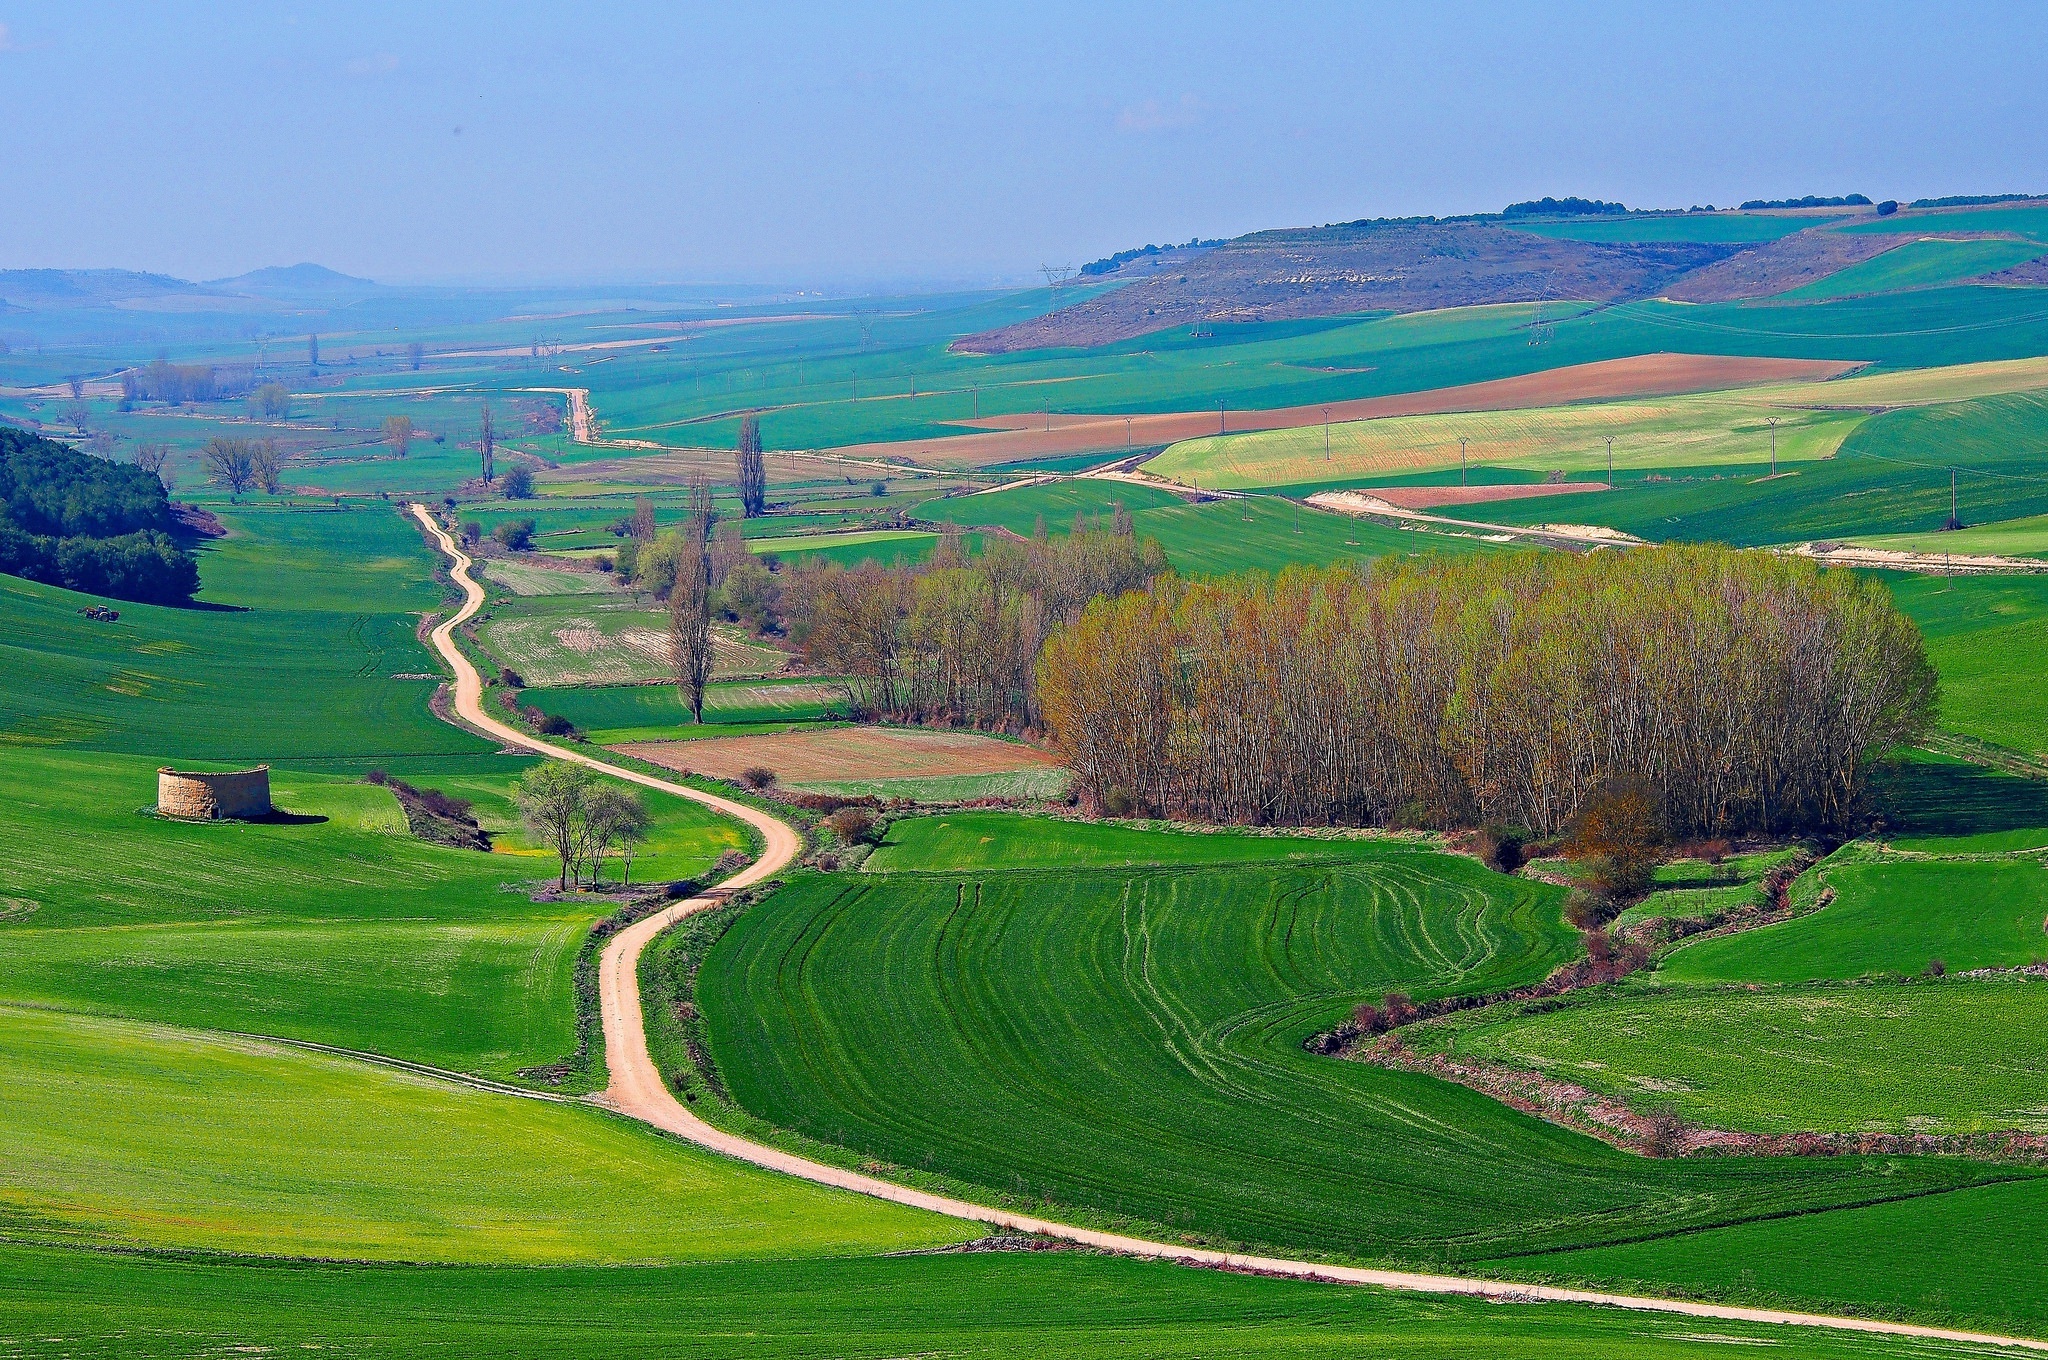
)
(1326, 434)
(1127, 434)
(1610, 462)
(1773, 422)
(1954, 520)
(1220, 427)
(977, 401)
(1461, 462)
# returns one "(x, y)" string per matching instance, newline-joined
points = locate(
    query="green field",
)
(1890, 475)
(589, 639)
(1716, 430)
(1918, 264)
(1045, 1305)
(127, 1134)
(1962, 1057)
(1124, 1044)
(1890, 915)
(1974, 627)
(333, 924)
(1971, 1256)
(609, 714)
(2025, 537)
(1212, 538)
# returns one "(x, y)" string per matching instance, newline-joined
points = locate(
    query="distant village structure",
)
(206, 797)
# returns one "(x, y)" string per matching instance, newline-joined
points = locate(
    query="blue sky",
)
(946, 143)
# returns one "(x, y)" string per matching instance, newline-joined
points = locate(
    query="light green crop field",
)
(1038, 784)
(1931, 263)
(1126, 1044)
(609, 714)
(523, 578)
(555, 640)
(1951, 1057)
(1890, 915)
(1041, 1305)
(1714, 430)
(121, 1133)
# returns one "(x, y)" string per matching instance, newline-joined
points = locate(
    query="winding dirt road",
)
(637, 1088)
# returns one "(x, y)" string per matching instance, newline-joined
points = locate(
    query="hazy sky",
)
(430, 140)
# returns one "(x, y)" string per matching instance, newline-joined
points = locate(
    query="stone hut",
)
(208, 797)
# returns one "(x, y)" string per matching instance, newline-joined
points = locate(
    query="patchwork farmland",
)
(901, 825)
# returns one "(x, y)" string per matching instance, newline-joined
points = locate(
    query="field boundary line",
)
(637, 1088)
(406, 1065)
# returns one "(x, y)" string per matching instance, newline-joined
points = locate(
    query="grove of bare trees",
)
(1750, 692)
(954, 641)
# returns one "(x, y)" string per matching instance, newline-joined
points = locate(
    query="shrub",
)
(515, 534)
(1936, 968)
(606, 565)
(757, 777)
(510, 678)
(1500, 848)
(853, 825)
(1617, 840)
(517, 483)
(375, 776)
(555, 725)
(1116, 802)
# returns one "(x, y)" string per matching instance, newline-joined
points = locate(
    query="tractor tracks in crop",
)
(638, 1090)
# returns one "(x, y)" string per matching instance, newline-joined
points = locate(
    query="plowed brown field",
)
(1014, 437)
(844, 754)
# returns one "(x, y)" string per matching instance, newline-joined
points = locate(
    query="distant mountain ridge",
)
(61, 289)
(295, 278)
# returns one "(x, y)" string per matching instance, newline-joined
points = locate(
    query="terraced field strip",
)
(637, 1087)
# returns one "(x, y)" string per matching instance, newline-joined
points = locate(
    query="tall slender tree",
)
(753, 469)
(487, 445)
(689, 619)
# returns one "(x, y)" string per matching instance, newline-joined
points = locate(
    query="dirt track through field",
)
(637, 1088)
(1014, 437)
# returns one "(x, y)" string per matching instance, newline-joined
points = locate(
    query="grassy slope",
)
(1975, 627)
(1918, 264)
(1048, 1306)
(1129, 1043)
(124, 1133)
(1972, 1257)
(1889, 916)
(344, 930)
(1960, 1057)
